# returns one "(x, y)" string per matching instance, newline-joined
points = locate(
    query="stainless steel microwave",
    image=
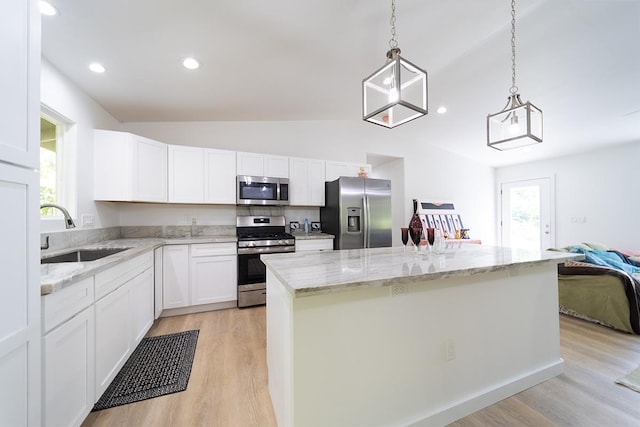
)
(262, 190)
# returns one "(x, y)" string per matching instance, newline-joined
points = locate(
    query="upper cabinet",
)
(19, 83)
(129, 167)
(335, 170)
(186, 174)
(306, 182)
(220, 176)
(255, 164)
(201, 175)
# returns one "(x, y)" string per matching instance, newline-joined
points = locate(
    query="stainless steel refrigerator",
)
(357, 212)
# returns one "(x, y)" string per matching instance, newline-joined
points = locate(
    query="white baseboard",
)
(489, 397)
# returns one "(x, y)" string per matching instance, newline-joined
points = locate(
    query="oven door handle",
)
(266, 250)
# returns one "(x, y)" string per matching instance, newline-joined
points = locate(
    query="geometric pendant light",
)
(396, 93)
(519, 123)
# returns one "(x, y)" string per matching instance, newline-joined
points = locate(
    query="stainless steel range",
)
(258, 235)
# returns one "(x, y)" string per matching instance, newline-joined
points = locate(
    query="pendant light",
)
(397, 92)
(518, 124)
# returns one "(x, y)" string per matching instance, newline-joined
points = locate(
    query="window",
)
(49, 165)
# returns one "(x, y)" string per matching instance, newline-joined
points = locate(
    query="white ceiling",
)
(283, 60)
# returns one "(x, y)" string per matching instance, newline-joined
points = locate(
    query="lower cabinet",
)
(123, 316)
(198, 274)
(113, 344)
(314, 245)
(68, 371)
(90, 329)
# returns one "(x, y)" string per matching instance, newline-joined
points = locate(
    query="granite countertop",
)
(314, 235)
(54, 277)
(314, 273)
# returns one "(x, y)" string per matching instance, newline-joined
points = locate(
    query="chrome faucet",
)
(68, 221)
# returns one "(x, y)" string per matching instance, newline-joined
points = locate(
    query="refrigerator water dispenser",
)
(353, 220)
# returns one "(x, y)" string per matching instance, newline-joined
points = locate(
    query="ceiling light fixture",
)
(518, 124)
(47, 9)
(397, 92)
(191, 64)
(97, 68)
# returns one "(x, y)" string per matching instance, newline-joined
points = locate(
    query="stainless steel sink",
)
(82, 255)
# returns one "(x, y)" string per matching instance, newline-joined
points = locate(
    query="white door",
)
(527, 214)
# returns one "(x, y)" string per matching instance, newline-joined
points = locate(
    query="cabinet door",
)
(20, 323)
(316, 171)
(69, 371)
(157, 279)
(220, 176)
(299, 182)
(186, 174)
(276, 166)
(19, 79)
(251, 164)
(112, 165)
(113, 340)
(142, 305)
(213, 279)
(175, 276)
(150, 170)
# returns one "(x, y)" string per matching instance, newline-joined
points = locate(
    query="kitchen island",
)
(376, 337)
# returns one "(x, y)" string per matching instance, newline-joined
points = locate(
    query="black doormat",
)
(159, 365)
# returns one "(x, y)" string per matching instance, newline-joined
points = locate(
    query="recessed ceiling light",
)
(191, 63)
(97, 67)
(441, 110)
(47, 9)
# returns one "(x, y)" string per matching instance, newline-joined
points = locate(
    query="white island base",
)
(409, 351)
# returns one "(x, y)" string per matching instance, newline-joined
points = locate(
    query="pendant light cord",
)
(393, 43)
(514, 88)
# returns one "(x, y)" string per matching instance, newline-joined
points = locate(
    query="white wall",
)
(63, 97)
(598, 185)
(429, 172)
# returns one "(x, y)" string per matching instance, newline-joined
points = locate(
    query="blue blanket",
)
(611, 259)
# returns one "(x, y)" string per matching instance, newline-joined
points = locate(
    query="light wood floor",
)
(228, 383)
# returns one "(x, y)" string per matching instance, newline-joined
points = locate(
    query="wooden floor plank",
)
(228, 383)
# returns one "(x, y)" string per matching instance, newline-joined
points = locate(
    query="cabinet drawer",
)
(64, 304)
(111, 279)
(314, 245)
(210, 249)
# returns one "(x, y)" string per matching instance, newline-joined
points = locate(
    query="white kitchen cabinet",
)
(201, 175)
(220, 176)
(335, 170)
(69, 370)
(175, 276)
(198, 274)
(306, 182)
(129, 167)
(142, 297)
(186, 174)
(314, 245)
(276, 166)
(113, 341)
(157, 280)
(213, 273)
(20, 323)
(255, 164)
(123, 314)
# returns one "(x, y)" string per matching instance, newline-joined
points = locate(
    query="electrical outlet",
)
(399, 289)
(450, 350)
(88, 220)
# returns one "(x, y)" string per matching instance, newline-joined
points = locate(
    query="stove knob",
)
(281, 242)
(252, 244)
